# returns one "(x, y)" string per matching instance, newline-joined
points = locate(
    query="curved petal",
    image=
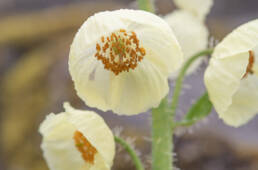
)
(139, 90)
(199, 8)
(101, 88)
(95, 130)
(191, 33)
(242, 39)
(129, 93)
(244, 103)
(232, 91)
(222, 79)
(58, 143)
(234, 96)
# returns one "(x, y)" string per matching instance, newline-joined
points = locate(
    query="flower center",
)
(83, 145)
(249, 68)
(120, 51)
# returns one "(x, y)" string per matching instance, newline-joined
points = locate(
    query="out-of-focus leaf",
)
(199, 110)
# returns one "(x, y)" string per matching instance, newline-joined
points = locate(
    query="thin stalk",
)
(161, 138)
(147, 5)
(181, 76)
(131, 152)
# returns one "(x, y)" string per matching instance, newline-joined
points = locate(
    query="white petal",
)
(234, 96)
(95, 130)
(191, 33)
(244, 103)
(242, 39)
(255, 66)
(99, 87)
(222, 80)
(59, 147)
(137, 91)
(199, 8)
(129, 93)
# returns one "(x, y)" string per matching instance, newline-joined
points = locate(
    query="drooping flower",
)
(120, 60)
(77, 140)
(232, 75)
(199, 8)
(191, 33)
(189, 28)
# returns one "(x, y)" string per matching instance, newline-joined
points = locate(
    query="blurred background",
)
(35, 36)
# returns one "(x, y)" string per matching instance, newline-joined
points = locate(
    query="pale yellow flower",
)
(191, 33)
(232, 75)
(199, 8)
(77, 140)
(120, 60)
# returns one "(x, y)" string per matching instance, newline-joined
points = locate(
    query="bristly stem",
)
(180, 78)
(147, 5)
(162, 118)
(162, 138)
(136, 160)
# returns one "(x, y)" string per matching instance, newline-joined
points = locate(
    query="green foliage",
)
(199, 110)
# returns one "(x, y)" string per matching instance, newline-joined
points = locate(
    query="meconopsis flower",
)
(188, 25)
(232, 75)
(199, 8)
(77, 140)
(120, 60)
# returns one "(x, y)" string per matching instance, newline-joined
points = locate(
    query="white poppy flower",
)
(199, 8)
(120, 60)
(76, 140)
(232, 75)
(191, 33)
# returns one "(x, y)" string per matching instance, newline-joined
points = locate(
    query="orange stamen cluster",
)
(120, 51)
(249, 68)
(83, 145)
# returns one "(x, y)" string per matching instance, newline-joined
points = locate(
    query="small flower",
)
(232, 75)
(199, 8)
(191, 33)
(120, 60)
(76, 140)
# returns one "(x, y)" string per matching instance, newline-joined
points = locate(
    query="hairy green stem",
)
(161, 138)
(180, 78)
(147, 5)
(162, 133)
(131, 152)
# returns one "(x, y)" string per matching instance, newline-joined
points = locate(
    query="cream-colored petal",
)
(153, 32)
(244, 103)
(139, 90)
(234, 96)
(129, 93)
(222, 79)
(95, 130)
(255, 64)
(232, 92)
(100, 87)
(191, 33)
(199, 8)
(59, 147)
(242, 39)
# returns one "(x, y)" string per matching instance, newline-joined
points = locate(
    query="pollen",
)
(84, 147)
(249, 68)
(120, 51)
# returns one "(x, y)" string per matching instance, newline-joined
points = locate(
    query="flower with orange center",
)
(232, 75)
(77, 140)
(120, 60)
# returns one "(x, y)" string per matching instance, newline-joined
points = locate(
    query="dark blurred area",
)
(35, 36)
